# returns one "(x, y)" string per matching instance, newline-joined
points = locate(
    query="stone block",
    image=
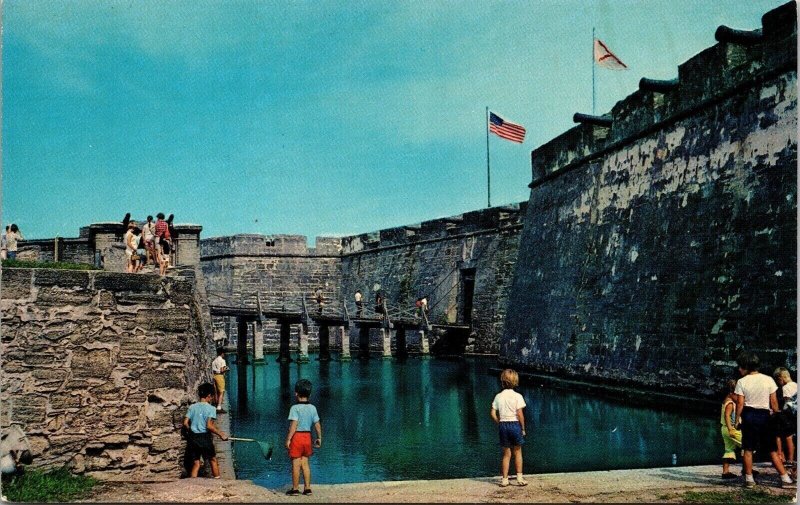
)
(49, 375)
(91, 363)
(119, 282)
(114, 439)
(66, 445)
(58, 296)
(157, 379)
(16, 283)
(38, 356)
(62, 278)
(177, 319)
(133, 298)
(63, 401)
(105, 300)
(166, 442)
(27, 408)
(173, 343)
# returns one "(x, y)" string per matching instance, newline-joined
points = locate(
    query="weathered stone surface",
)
(141, 298)
(57, 295)
(106, 300)
(133, 283)
(161, 379)
(28, 408)
(62, 278)
(63, 401)
(176, 319)
(91, 363)
(171, 343)
(16, 283)
(166, 441)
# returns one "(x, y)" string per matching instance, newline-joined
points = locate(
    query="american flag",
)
(506, 129)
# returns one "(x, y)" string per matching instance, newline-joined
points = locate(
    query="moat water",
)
(427, 418)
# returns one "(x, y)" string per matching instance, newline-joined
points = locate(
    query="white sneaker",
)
(504, 483)
(521, 481)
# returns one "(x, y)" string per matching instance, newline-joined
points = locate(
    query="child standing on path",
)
(507, 413)
(731, 437)
(218, 368)
(199, 424)
(298, 441)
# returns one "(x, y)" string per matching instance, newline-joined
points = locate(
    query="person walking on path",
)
(731, 437)
(359, 303)
(507, 413)
(12, 236)
(218, 368)
(198, 427)
(756, 401)
(302, 416)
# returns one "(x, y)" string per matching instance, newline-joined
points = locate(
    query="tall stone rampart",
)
(99, 367)
(436, 259)
(655, 250)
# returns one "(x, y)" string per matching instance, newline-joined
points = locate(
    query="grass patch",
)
(737, 496)
(58, 265)
(54, 486)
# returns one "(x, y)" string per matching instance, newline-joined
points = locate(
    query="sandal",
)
(293, 492)
(306, 491)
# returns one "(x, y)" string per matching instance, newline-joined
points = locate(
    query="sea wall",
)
(99, 367)
(655, 250)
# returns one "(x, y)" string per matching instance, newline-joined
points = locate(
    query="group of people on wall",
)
(151, 244)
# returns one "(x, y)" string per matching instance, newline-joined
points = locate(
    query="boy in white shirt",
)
(507, 413)
(786, 419)
(755, 399)
(218, 368)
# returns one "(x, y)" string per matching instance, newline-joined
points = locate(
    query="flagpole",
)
(488, 173)
(593, 70)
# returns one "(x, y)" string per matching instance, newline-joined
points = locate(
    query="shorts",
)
(757, 432)
(784, 423)
(199, 445)
(219, 382)
(731, 442)
(300, 445)
(511, 434)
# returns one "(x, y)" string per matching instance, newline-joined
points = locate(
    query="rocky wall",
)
(653, 255)
(99, 367)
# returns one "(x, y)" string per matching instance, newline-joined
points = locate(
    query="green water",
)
(429, 419)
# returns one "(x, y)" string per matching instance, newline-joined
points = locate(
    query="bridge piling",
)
(241, 341)
(303, 347)
(258, 342)
(386, 340)
(363, 341)
(344, 337)
(283, 353)
(423, 342)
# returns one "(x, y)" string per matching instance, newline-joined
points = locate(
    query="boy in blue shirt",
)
(298, 441)
(199, 424)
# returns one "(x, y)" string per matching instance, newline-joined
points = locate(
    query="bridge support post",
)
(325, 343)
(344, 337)
(423, 342)
(258, 342)
(363, 341)
(386, 340)
(303, 351)
(241, 341)
(286, 331)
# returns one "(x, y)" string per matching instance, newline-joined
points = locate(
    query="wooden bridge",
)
(394, 324)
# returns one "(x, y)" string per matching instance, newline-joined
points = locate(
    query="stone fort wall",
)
(99, 367)
(406, 262)
(657, 248)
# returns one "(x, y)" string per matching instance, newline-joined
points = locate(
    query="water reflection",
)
(429, 419)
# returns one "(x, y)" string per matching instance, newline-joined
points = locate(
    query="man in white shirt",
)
(218, 368)
(756, 402)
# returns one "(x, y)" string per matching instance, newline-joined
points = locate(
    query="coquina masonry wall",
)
(432, 259)
(99, 367)
(656, 251)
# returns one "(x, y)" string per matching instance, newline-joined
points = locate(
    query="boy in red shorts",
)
(302, 416)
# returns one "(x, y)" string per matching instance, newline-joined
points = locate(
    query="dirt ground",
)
(646, 485)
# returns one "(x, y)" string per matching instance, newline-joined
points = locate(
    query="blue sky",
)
(308, 117)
